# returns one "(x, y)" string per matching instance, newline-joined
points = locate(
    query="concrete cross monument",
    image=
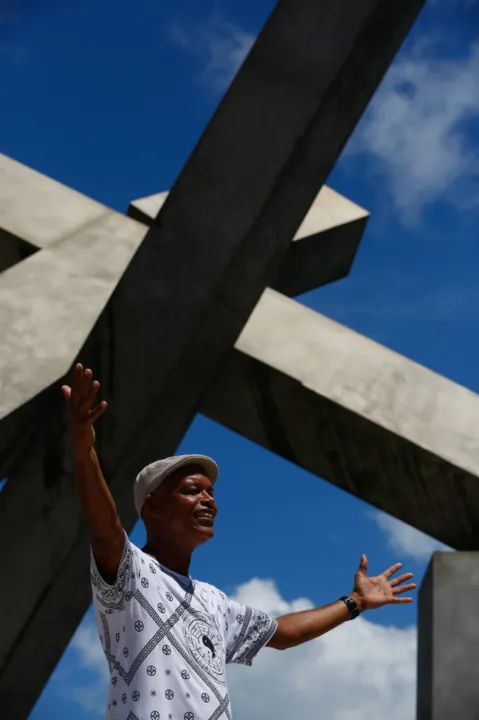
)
(191, 297)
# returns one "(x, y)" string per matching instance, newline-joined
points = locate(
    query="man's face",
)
(183, 508)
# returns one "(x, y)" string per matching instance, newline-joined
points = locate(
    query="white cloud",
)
(406, 540)
(359, 671)
(220, 46)
(416, 129)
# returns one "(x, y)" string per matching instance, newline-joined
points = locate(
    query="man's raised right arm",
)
(106, 531)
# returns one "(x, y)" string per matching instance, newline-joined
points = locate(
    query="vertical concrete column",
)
(448, 641)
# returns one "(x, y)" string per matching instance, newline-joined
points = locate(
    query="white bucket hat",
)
(153, 475)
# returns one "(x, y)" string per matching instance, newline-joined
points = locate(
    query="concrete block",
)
(448, 638)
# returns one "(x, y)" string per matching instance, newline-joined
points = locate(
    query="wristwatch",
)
(352, 606)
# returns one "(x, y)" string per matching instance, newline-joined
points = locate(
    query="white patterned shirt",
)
(167, 639)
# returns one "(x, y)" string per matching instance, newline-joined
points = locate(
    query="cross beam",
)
(229, 219)
(373, 422)
(322, 250)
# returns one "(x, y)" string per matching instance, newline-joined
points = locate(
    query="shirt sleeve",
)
(247, 631)
(112, 597)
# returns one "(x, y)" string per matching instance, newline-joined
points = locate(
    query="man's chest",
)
(170, 625)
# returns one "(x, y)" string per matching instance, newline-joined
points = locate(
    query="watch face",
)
(352, 606)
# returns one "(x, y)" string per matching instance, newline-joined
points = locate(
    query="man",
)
(166, 637)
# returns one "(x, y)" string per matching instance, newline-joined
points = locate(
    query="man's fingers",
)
(402, 601)
(83, 391)
(76, 381)
(85, 384)
(96, 412)
(391, 570)
(85, 404)
(404, 588)
(82, 395)
(401, 579)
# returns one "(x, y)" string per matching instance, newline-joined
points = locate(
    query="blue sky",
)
(110, 98)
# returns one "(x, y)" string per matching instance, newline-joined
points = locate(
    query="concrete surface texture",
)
(238, 202)
(29, 212)
(36, 208)
(448, 647)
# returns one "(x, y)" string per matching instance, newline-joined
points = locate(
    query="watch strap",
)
(352, 605)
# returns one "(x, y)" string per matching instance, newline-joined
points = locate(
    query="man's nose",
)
(207, 498)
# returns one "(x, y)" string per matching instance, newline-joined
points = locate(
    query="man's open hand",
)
(81, 398)
(374, 592)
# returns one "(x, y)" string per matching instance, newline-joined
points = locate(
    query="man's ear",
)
(147, 503)
(151, 505)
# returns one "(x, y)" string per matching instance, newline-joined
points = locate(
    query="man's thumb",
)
(67, 391)
(363, 564)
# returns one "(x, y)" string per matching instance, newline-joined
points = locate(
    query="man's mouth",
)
(206, 515)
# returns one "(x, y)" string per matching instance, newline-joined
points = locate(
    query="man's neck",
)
(176, 559)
